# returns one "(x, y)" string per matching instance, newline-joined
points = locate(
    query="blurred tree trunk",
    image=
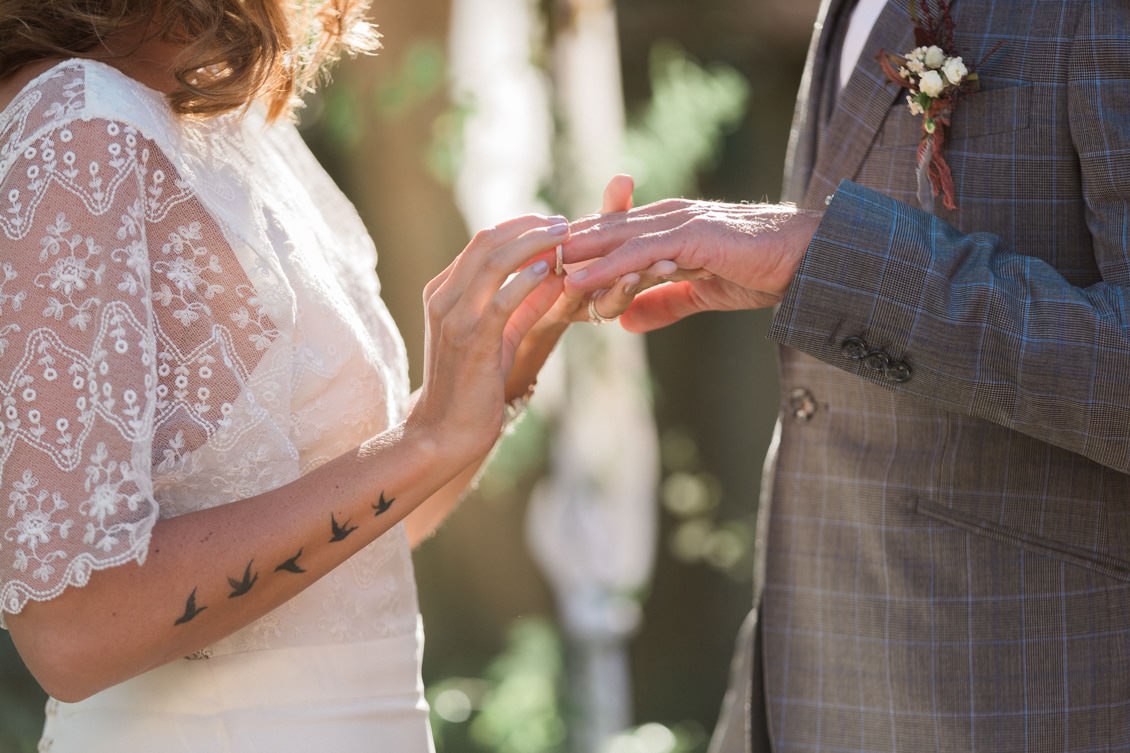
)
(409, 212)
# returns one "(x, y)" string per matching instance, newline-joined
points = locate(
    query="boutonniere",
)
(936, 78)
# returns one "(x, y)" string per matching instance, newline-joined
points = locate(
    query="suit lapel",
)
(807, 116)
(861, 107)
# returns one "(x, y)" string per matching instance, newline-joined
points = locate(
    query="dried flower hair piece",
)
(936, 78)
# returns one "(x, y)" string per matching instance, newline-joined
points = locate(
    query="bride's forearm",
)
(429, 515)
(211, 572)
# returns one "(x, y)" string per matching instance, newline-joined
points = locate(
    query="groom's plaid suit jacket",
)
(948, 557)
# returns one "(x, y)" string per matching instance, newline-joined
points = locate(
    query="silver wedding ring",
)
(594, 315)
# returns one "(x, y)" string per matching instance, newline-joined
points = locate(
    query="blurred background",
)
(601, 616)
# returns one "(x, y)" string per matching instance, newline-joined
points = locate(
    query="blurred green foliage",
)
(519, 705)
(692, 496)
(522, 713)
(679, 133)
(516, 707)
(341, 112)
(421, 75)
(685, 737)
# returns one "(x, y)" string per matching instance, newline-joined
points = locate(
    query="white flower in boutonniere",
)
(931, 84)
(935, 79)
(955, 70)
(935, 57)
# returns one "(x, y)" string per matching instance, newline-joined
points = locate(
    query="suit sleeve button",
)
(898, 372)
(877, 360)
(854, 348)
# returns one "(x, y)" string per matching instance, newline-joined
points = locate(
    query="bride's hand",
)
(570, 306)
(472, 332)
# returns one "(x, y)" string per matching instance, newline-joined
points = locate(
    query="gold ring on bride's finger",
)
(594, 315)
(560, 269)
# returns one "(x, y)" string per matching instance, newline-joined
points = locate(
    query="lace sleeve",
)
(78, 352)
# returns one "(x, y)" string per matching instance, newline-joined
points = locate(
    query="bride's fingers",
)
(486, 327)
(491, 257)
(613, 301)
(498, 317)
(545, 298)
(610, 303)
(435, 282)
(690, 275)
(661, 306)
(467, 294)
(661, 271)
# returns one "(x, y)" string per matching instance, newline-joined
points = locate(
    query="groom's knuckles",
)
(669, 206)
(636, 255)
(620, 253)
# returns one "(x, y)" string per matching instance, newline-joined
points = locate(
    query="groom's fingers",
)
(617, 194)
(636, 254)
(596, 234)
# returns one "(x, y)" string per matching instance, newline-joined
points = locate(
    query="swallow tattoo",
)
(383, 505)
(291, 565)
(240, 587)
(340, 531)
(190, 609)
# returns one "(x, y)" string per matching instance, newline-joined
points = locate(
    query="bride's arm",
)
(211, 572)
(428, 516)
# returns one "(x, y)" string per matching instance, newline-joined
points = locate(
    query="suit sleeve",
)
(905, 300)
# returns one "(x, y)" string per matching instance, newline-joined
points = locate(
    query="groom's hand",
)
(729, 256)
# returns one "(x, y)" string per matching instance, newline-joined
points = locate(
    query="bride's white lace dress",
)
(189, 316)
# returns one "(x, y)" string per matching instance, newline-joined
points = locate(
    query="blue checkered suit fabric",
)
(948, 559)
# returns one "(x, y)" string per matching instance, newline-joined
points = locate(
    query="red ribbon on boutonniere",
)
(936, 79)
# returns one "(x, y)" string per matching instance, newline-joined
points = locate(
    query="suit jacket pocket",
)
(1100, 562)
(1020, 490)
(982, 113)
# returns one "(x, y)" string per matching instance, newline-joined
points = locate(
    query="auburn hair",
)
(232, 52)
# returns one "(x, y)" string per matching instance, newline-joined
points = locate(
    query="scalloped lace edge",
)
(15, 595)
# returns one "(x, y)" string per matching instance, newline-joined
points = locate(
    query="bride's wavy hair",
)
(232, 51)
